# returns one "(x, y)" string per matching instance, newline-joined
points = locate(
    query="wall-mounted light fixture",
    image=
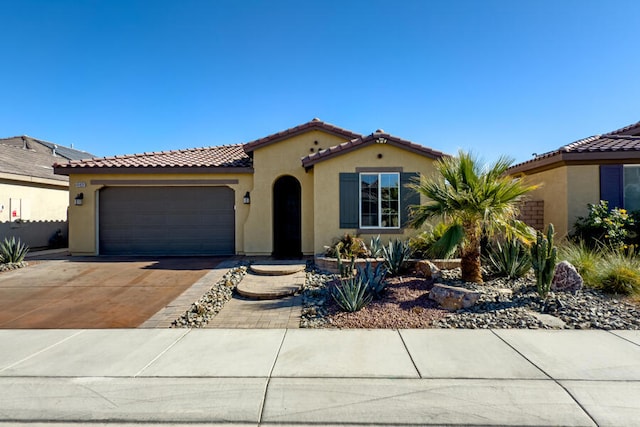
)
(246, 199)
(79, 198)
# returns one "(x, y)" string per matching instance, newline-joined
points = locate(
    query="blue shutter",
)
(349, 200)
(611, 187)
(410, 197)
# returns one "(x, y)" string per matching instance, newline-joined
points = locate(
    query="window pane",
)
(632, 188)
(389, 200)
(369, 204)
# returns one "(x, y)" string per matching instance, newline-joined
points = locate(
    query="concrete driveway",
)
(90, 292)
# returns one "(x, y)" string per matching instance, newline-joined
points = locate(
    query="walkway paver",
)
(240, 312)
(270, 287)
(308, 377)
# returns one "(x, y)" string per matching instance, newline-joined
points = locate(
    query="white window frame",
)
(379, 226)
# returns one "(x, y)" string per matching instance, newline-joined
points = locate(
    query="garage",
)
(166, 221)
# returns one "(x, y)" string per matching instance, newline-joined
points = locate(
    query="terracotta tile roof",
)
(375, 138)
(315, 124)
(620, 144)
(224, 156)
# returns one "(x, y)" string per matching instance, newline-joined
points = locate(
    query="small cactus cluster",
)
(543, 260)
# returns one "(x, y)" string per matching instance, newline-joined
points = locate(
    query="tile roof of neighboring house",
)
(220, 157)
(315, 124)
(378, 137)
(621, 144)
(27, 158)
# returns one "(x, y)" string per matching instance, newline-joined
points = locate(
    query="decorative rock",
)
(453, 298)
(427, 269)
(566, 278)
(549, 320)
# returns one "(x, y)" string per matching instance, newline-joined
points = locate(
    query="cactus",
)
(373, 278)
(543, 260)
(346, 270)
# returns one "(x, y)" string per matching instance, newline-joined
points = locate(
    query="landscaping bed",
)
(405, 304)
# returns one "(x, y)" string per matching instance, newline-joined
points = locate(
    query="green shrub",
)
(587, 261)
(348, 246)
(395, 255)
(424, 244)
(543, 260)
(510, 259)
(374, 279)
(352, 294)
(12, 251)
(603, 226)
(620, 273)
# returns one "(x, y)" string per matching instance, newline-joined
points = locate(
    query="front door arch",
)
(287, 218)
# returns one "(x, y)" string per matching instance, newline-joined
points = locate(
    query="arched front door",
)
(287, 218)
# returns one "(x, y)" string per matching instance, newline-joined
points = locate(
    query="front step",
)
(272, 281)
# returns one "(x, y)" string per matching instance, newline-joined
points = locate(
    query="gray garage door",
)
(167, 221)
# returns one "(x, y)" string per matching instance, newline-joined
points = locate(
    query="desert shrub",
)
(373, 278)
(603, 226)
(620, 272)
(12, 251)
(395, 255)
(587, 261)
(348, 246)
(424, 245)
(351, 294)
(510, 259)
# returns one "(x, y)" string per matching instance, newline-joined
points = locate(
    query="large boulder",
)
(566, 278)
(452, 297)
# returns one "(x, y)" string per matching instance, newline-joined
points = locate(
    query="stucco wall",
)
(82, 219)
(39, 201)
(327, 184)
(566, 190)
(553, 190)
(270, 163)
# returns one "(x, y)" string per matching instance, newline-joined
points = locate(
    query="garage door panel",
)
(169, 220)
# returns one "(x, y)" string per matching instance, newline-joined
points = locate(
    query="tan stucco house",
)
(287, 194)
(600, 167)
(33, 200)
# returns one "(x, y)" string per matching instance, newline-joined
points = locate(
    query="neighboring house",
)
(288, 194)
(601, 167)
(33, 200)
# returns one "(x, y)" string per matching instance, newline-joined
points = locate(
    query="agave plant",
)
(395, 254)
(373, 278)
(375, 247)
(12, 251)
(352, 294)
(510, 259)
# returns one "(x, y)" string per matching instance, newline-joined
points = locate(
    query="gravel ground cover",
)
(503, 304)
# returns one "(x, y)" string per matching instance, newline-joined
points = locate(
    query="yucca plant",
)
(352, 294)
(510, 259)
(373, 278)
(12, 251)
(395, 255)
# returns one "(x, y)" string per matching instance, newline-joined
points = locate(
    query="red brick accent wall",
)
(532, 213)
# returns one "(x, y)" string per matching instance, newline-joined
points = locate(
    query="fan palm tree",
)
(472, 199)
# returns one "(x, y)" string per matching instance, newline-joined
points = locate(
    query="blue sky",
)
(495, 77)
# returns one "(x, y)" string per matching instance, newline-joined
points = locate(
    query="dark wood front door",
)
(287, 218)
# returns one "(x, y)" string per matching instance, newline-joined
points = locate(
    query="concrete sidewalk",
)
(320, 377)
